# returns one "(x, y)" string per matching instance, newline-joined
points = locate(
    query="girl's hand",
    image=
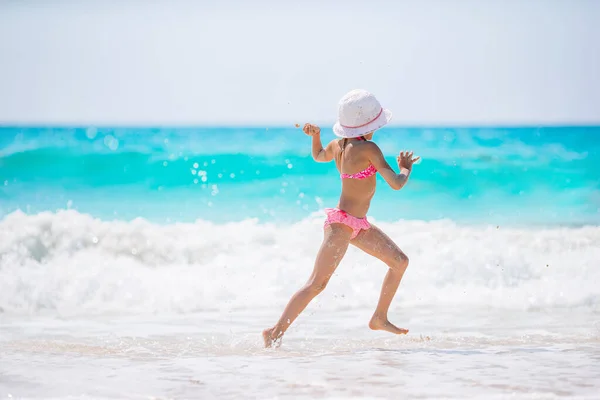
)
(311, 130)
(406, 160)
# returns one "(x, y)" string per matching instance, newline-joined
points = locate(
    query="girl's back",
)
(357, 175)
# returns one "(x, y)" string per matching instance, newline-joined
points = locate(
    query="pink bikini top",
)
(364, 174)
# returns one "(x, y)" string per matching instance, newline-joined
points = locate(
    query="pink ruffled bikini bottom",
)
(337, 216)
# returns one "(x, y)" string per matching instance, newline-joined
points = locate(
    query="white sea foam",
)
(70, 263)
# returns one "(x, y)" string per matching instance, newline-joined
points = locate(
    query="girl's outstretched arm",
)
(319, 153)
(405, 162)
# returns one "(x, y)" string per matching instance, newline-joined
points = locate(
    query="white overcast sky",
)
(281, 62)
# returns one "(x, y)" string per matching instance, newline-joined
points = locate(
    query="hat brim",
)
(349, 133)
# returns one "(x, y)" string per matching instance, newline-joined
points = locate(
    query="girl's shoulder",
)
(369, 146)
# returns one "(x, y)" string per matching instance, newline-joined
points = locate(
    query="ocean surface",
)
(144, 263)
(541, 176)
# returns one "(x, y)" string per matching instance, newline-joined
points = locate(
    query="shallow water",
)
(326, 355)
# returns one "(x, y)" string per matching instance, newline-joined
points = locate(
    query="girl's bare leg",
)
(376, 243)
(334, 246)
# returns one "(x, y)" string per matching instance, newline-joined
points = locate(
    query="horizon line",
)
(81, 125)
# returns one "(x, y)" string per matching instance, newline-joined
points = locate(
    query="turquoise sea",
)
(528, 175)
(145, 263)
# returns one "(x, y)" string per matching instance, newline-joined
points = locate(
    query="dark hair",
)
(345, 141)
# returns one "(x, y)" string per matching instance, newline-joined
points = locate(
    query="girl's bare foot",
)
(268, 337)
(378, 323)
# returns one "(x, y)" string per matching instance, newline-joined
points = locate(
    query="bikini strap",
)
(344, 143)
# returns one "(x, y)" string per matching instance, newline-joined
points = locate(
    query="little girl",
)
(358, 159)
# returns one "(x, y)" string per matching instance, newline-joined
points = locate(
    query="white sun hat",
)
(359, 113)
